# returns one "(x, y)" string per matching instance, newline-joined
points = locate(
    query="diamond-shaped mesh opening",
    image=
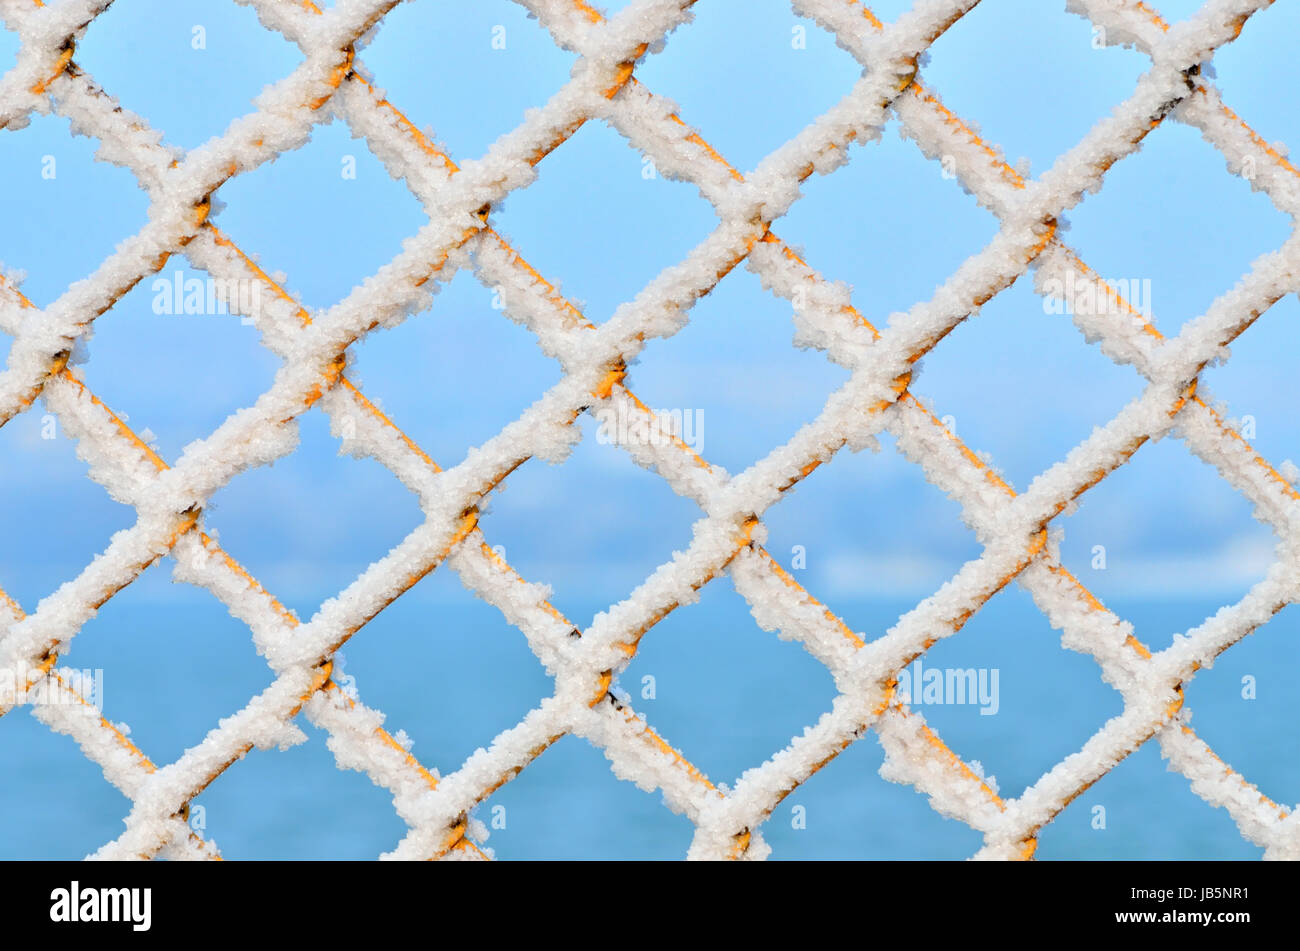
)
(574, 222)
(156, 642)
(447, 669)
(327, 215)
(296, 803)
(725, 723)
(496, 58)
(269, 518)
(1020, 384)
(44, 165)
(423, 369)
(1257, 385)
(1165, 529)
(1247, 73)
(163, 322)
(189, 69)
(840, 225)
(55, 519)
(568, 805)
(993, 693)
(1139, 231)
(733, 377)
(895, 542)
(630, 523)
(1243, 707)
(1142, 811)
(847, 811)
(61, 790)
(740, 58)
(984, 80)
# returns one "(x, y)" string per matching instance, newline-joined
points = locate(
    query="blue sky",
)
(1020, 384)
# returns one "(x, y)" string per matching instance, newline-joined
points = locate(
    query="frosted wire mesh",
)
(169, 496)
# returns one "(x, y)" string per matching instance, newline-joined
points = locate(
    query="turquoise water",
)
(451, 673)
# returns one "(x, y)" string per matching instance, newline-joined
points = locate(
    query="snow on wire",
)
(332, 82)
